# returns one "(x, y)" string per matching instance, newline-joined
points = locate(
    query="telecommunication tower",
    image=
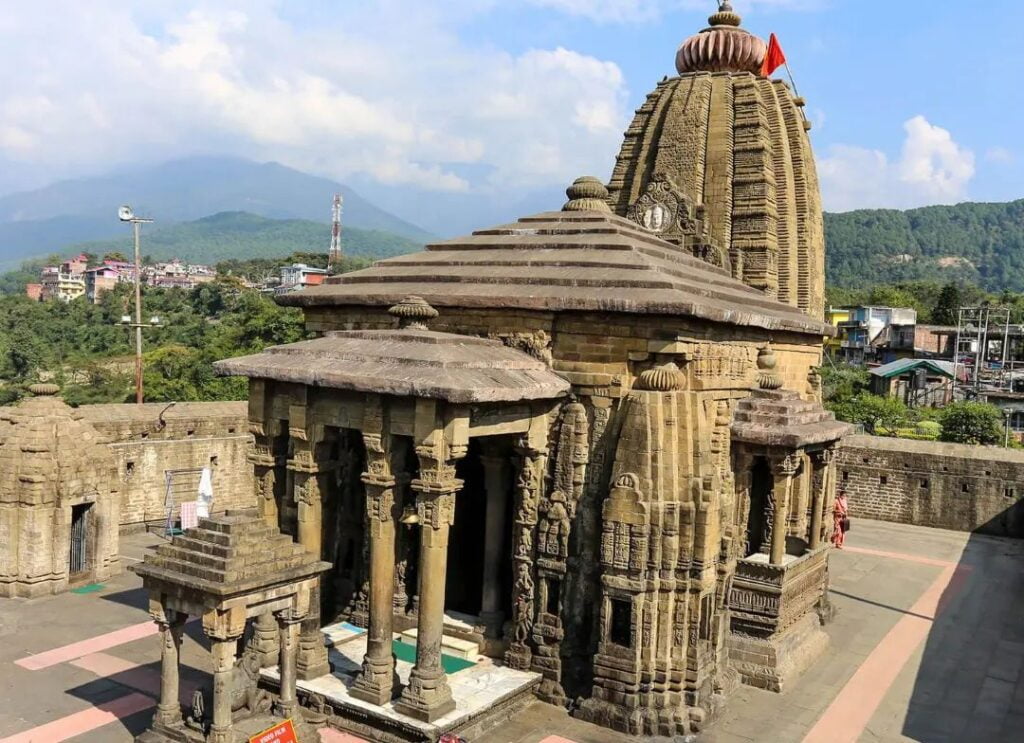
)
(334, 255)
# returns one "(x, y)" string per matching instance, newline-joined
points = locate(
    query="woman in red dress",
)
(840, 515)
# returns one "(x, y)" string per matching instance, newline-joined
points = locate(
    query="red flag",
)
(775, 57)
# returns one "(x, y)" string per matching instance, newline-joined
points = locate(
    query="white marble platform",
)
(475, 689)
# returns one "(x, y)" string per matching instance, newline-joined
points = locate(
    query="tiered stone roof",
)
(406, 362)
(780, 418)
(231, 554)
(563, 261)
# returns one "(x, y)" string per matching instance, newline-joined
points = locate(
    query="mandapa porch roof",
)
(408, 362)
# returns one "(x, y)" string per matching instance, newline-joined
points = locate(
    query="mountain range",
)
(229, 235)
(54, 218)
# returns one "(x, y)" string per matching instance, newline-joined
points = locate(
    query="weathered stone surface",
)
(562, 261)
(53, 464)
(416, 363)
(781, 418)
(930, 483)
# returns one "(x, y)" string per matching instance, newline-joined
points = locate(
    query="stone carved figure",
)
(247, 698)
(554, 532)
(523, 608)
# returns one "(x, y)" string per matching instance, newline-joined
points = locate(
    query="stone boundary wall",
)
(928, 483)
(150, 440)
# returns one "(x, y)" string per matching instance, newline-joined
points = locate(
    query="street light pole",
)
(125, 214)
(138, 315)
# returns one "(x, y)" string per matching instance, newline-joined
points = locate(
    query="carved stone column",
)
(265, 640)
(822, 460)
(223, 651)
(289, 630)
(496, 489)
(377, 683)
(168, 711)
(784, 469)
(307, 470)
(428, 696)
(527, 499)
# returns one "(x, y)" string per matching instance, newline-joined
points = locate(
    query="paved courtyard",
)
(927, 645)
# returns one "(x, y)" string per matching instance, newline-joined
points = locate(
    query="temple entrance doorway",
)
(78, 558)
(761, 484)
(478, 580)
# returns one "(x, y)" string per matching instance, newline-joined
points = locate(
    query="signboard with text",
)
(283, 732)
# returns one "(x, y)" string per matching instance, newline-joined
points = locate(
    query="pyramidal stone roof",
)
(406, 362)
(563, 261)
(231, 554)
(781, 418)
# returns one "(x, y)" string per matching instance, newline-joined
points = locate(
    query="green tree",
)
(947, 308)
(880, 415)
(972, 423)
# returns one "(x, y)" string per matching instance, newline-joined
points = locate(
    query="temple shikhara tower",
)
(583, 453)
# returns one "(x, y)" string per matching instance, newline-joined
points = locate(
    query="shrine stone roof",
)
(780, 418)
(413, 362)
(228, 555)
(563, 261)
(49, 451)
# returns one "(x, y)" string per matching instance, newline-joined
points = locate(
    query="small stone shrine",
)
(227, 570)
(604, 463)
(59, 500)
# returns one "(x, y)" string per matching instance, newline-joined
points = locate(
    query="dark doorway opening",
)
(761, 483)
(79, 557)
(465, 574)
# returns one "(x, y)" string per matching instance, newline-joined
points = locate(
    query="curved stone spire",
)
(722, 47)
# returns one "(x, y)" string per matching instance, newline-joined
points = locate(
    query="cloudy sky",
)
(915, 102)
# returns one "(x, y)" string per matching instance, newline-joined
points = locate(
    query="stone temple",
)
(588, 443)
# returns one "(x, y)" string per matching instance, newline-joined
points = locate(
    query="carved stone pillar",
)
(289, 630)
(168, 711)
(822, 460)
(223, 652)
(496, 489)
(784, 469)
(377, 683)
(265, 640)
(527, 498)
(428, 696)
(307, 470)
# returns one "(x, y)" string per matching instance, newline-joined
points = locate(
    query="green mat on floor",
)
(405, 651)
(91, 588)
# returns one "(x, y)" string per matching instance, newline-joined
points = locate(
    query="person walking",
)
(841, 516)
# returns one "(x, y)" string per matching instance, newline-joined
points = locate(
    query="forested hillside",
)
(240, 235)
(977, 244)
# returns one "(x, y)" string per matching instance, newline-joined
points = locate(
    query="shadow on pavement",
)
(970, 684)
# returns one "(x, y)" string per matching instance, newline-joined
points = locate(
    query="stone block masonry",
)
(927, 483)
(150, 440)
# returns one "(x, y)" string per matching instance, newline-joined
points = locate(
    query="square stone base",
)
(483, 693)
(243, 731)
(773, 662)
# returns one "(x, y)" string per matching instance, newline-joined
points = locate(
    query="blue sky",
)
(470, 103)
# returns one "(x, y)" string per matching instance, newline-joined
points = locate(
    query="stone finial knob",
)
(725, 16)
(664, 378)
(767, 379)
(587, 194)
(413, 312)
(43, 389)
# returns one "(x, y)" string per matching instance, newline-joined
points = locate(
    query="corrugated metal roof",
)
(903, 366)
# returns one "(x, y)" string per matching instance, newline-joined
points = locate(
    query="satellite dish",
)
(125, 213)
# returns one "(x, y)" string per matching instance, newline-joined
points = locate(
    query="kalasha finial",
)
(664, 378)
(767, 379)
(725, 16)
(413, 313)
(587, 194)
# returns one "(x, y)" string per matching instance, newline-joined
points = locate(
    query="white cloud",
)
(384, 88)
(1000, 156)
(932, 169)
